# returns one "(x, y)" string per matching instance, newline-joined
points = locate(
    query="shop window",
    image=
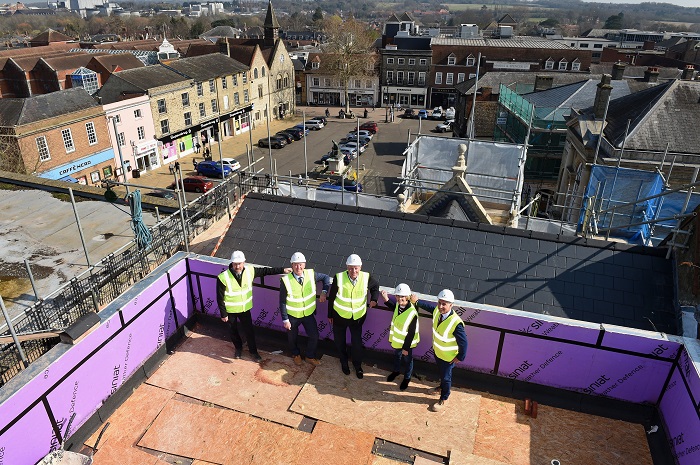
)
(107, 172)
(95, 177)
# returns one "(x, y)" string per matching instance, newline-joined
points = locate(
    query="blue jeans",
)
(398, 356)
(309, 323)
(445, 377)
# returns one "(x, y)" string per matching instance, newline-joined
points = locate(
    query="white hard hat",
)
(237, 257)
(446, 295)
(354, 260)
(298, 257)
(402, 290)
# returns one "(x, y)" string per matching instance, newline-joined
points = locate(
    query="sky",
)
(686, 3)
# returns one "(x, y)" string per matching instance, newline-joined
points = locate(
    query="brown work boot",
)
(437, 406)
(313, 361)
(297, 360)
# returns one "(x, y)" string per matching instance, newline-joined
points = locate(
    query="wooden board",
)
(331, 444)
(378, 407)
(203, 367)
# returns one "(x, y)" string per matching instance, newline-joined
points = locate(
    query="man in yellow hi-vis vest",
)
(449, 342)
(347, 309)
(234, 294)
(298, 306)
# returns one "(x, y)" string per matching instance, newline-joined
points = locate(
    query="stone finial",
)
(402, 202)
(461, 167)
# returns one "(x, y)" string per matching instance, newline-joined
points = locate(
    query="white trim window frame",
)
(43, 147)
(67, 136)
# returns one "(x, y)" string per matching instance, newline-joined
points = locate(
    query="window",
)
(226, 102)
(575, 66)
(236, 99)
(423, 61)
(460, 77)
(327, 82)
(43, 148)
(68, 140)
(438, 78)
(471, 60)
(137, 113)
(286, 81)
(245, 77)
(411, 77)
(164, 128)
(389, 61)
(92, 135)
(358, 83)
(449, 79)
(224, 82)
(597, 45)
(202, 110)
(421, 78)
(141, 132)
(212, 87)
(573, 44)
(255, 73)
(399, 77)
(549, 64)
(188, 118)
(95, 177)
(316, 82)
(235, 80)
(185, 99)
(562, 65)
(200, 89)
(401, 61)
(315, 65)
(368, 84)
(451, 60)
(107, 171)
(584, 45)
(263, 71)
(390, 77)
(121, 140)
(260, 91)
(246, 97)
(162, 107)
(118, 119)
(214, 106)
(279, 82)
(411, 61)
(472, 75)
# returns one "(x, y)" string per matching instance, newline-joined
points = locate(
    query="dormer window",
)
(549, 64)
(563, 64)
(576, 65)
(471, 60)
(451, 60)
(315, 65)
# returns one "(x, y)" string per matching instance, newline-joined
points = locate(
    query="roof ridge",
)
(654, 103)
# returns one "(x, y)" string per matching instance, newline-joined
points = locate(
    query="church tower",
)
(271, 26)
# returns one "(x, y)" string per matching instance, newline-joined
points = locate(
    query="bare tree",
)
(11, 155)
(349, 51)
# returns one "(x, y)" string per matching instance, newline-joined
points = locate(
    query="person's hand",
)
(225, 319)
(385, 296)
(322, 298)
(405, 352)
(414, 298)
(287, 270)
(372, 303)
(287, 325)
(330, 320)
(454, 360)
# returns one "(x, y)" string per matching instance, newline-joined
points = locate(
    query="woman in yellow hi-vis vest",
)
(234, 294)
(404, 333)
(347, 309)
(449, 342)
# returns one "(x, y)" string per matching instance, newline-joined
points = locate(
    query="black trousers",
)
(246, 321)
(340, 328)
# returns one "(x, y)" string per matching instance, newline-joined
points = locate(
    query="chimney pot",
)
(688, 73)
(602, 95)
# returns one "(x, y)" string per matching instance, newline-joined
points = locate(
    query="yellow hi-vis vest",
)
(238, 297)
(399, 327)
(301, 300)
(351, 301)
(444, 342)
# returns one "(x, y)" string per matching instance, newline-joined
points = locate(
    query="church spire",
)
(271, 26)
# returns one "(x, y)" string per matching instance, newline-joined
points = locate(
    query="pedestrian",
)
(404, 333)
(176, 166)
(207, 155)
(197, 147)
(300, 181)
(449, 342)
(347, 309)
(298, 306)
(328, 113)
(234, 294)
(194, 163)
(366, 113)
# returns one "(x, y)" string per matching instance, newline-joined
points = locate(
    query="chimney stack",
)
(602, 96)
(651, 74)
(618, 71)
(543, 82)
(688, 73)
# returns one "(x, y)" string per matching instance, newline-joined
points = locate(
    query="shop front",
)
(87, 170)
(444, 98)
(325, 98)
(361, 99)
(146, 156)
(407, 97)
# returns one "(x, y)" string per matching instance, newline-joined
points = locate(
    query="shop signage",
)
(206, 124)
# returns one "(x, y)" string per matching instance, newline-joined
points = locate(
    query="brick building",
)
(60, 135)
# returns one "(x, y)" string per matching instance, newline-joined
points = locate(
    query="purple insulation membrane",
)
(681, 419)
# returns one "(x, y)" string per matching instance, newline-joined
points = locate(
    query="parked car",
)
(301, 126)
(161, 195)
(349, 185)
(286, 136)
(409, 113)
(321, 119)
(314, 124)
(298, 133)
(437, 113)
(232, 163)
(276, 142)
(422, 114)
(450, 113)
(370, 126)
(349, 152)
(364, 140)
(213, 169)
(354, 145)
(362, 133)
(445, 126)
(195, 184)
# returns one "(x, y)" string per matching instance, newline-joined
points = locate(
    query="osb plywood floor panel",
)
(377, 460)
(265, 390)
(505, 433)
(331, 444)
(424, 461)
(119, 453)
(460, 458)
(376, 406)
(195, 431)
(263, 442)
(129, 422)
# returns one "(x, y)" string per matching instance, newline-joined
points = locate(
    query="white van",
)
(450, 113)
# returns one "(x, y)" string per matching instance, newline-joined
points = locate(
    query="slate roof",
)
(19, 111)
(636, 72)
(204, 67)
(150, 77)
(577, 95)
(525, 42)
(221, 31)
(525, 80)
(596, 281)
(49, 36)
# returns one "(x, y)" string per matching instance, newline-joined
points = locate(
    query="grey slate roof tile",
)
(592, 280)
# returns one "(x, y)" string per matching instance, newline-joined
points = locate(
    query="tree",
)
(318, 15)
(349, 51)
(614, 21)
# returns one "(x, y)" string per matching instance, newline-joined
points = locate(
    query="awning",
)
(68, 179)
